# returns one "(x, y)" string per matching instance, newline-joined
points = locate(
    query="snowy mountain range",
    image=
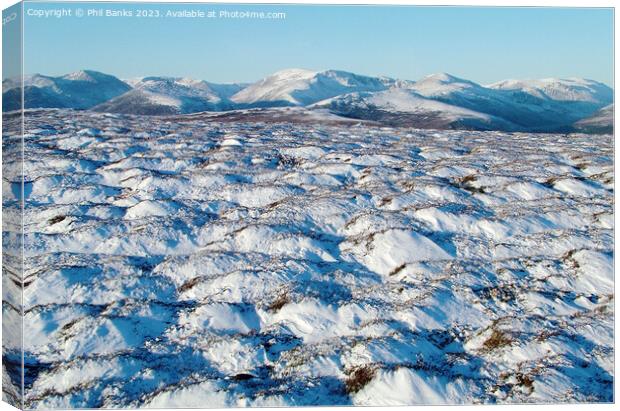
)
(303, 87)
(166, 95)
(438, 101)
(80, 90)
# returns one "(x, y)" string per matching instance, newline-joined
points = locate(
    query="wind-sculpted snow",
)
(179, 262)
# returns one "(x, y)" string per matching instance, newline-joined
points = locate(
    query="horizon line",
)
(122, 78)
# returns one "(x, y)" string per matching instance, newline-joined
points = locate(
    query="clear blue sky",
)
(480, 44)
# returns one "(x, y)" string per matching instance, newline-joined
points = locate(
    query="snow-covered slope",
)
(304, 87)
(530, 110)
(175, 87)
(293, 114)
(81, 90)
(572, 89)
(509, 106)
(166, 95)
(183, 262)
(600, 122)
(404, 107)
(34, 97)
(144, 102)
(181, 87)
(439, 84)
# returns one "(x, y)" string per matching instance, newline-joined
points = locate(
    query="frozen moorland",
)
(193, 262)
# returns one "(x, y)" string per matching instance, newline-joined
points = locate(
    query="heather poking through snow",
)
(188, 261)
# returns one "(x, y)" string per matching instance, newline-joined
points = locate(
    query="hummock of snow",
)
(395, 248)
(231, 142)
(414, 388)
(204, 263)
(206, 394)
(90, 132)
(150, 208)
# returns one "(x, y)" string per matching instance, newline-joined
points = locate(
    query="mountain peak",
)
(300, 87)
(444, 78)
(294, 73)
(560, 89)
(542, 104)
(542, 82)
(86, 75)
(441, 84)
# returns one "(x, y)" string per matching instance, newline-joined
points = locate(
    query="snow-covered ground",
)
(190, 263)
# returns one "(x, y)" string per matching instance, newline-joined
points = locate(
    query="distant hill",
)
(303, 87)
(165, 95)
(601, 122)
(79, 90)
(439, 100)
(404, 107)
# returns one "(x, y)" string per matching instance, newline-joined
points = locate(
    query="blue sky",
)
(480, 44)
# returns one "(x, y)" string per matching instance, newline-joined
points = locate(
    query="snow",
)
(440, 84)
(439, 101)
(189, 261)
(395, 248)
(579, 188)
(231, 142)
(90, 132)
(596, 272)
(277, 87)
(173, 88)
(150, 208)
(418, 104)
(83, 75)
(571, 89)
(222, 318)
(162, 99)
(167, 95)
(82, 89)
(406, 101)
(304, 87)
(602, 119)
(202, 395)
(408, 387)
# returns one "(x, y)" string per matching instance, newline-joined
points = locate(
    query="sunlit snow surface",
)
(188, 263)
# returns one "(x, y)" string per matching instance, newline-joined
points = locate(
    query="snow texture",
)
(193, 262)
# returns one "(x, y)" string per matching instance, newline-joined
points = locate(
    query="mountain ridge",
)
(79, 90)
(439, 100)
